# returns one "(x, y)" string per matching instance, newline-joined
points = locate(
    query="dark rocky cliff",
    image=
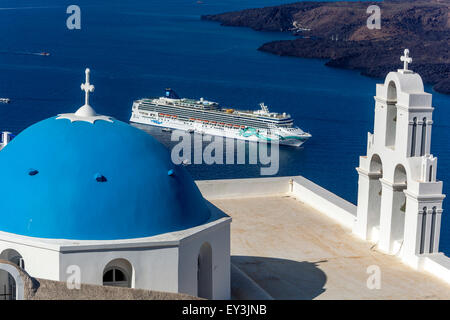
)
(338, 31)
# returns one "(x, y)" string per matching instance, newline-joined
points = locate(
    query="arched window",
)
(400, 174)
(7, 286)
(118, 273)
(7, 282)
(11, 282)
(392, 92)
(391, 115)
(204, 272)
(13, 256)
(376, 166)
(115, 277)
(424, 137)
(413, 138)
(375, 195)
(399, 204)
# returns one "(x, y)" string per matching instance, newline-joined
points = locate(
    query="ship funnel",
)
(171, 94)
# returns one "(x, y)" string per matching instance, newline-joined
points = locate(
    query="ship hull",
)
(248, 134)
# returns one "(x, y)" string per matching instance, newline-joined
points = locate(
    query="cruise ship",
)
(207, 117)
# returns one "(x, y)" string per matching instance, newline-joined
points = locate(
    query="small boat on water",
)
(44, 53)
(5, 100)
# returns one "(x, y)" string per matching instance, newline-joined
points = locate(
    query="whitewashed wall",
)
(219, 239)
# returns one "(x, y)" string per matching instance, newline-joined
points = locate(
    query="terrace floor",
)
(292, 251)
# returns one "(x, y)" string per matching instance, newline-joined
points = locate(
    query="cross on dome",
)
(406, 60)
(86, 112)
(87, 87)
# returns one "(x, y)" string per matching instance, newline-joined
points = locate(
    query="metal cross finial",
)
(87, 87)
(406, 60)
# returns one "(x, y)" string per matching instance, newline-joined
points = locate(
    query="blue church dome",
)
(94, 181)
(84, 176)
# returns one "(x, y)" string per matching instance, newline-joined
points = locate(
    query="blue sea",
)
(138, 48)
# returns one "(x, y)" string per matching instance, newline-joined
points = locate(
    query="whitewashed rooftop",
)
(282, 248)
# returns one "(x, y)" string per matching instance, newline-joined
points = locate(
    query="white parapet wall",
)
(240, 188)
(324, 201)
(303, 189)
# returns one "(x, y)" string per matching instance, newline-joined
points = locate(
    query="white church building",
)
(92, 197)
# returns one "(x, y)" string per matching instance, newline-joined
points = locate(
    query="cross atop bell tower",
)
(406, 61)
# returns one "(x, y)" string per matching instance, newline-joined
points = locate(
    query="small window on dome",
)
(100, 178)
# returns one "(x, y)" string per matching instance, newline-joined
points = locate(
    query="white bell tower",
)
(399, 198)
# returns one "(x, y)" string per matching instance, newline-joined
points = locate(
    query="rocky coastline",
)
(338, 32)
